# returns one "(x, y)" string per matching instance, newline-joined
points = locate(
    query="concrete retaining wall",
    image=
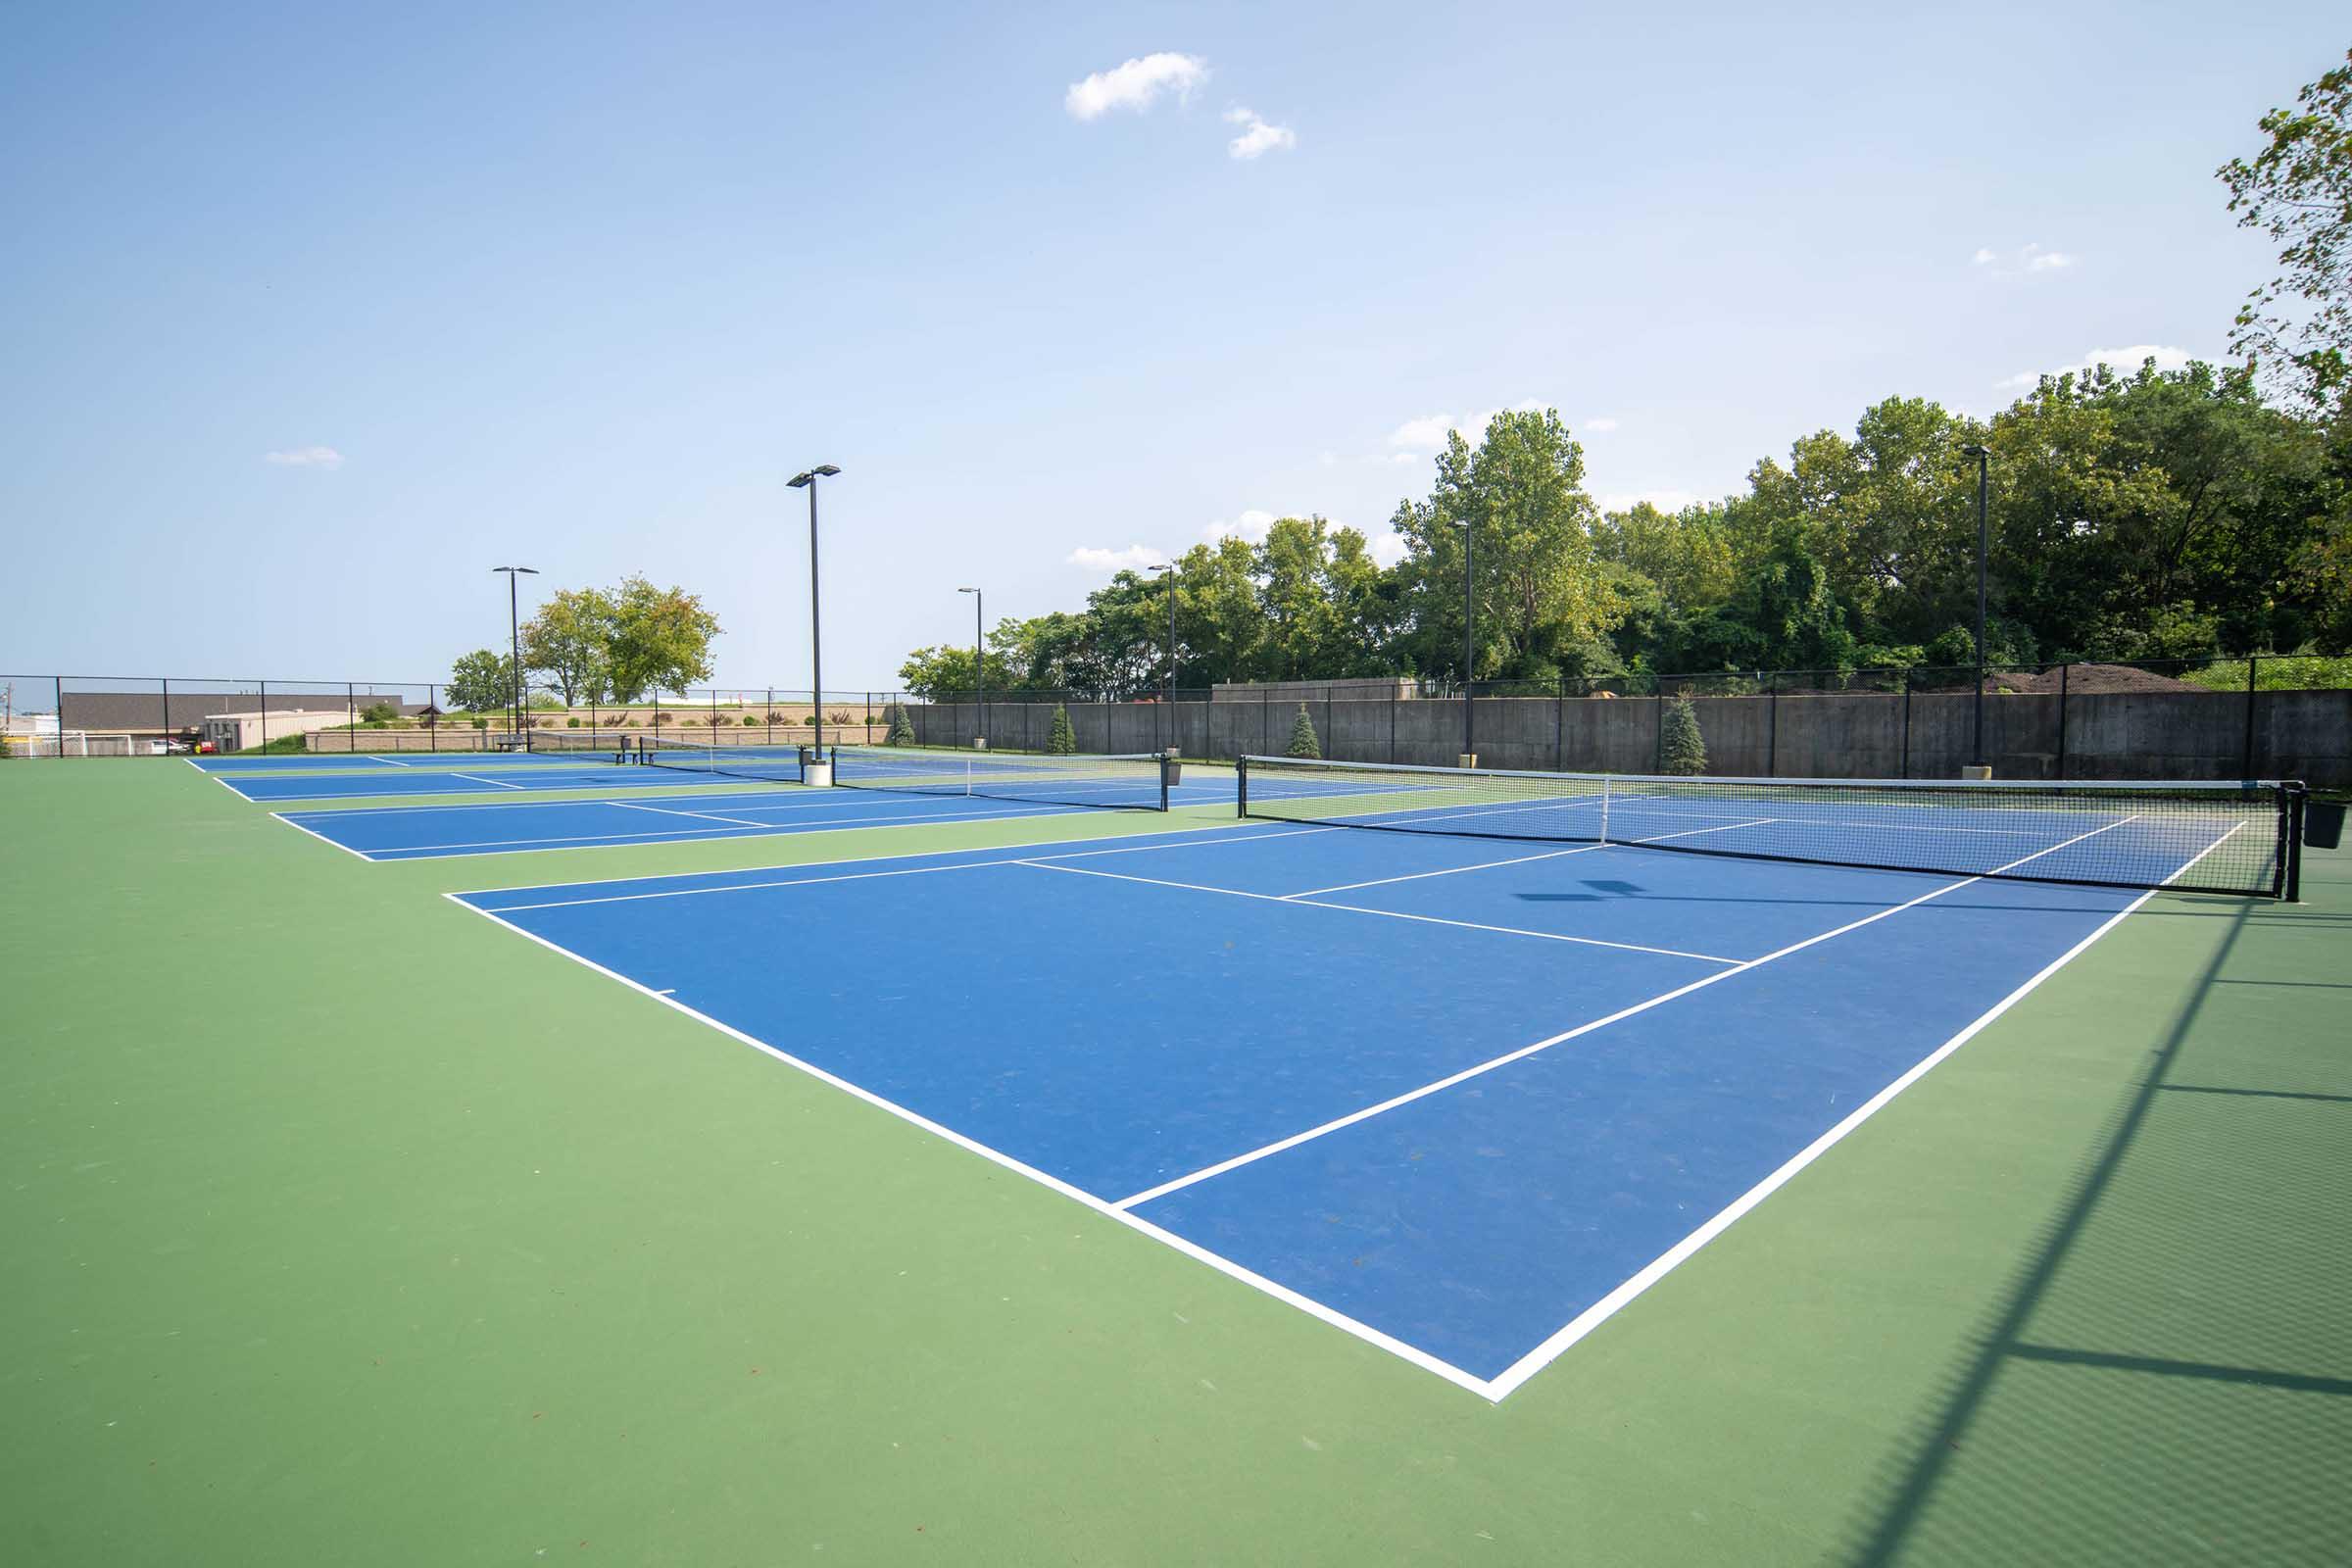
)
(2135, 735)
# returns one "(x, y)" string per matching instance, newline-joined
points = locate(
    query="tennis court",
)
(1462, 1100)
(1513, 1182)
(877, 789)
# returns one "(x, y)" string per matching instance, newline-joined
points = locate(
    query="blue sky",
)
(314, 318)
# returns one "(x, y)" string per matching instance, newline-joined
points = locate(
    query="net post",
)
(2252, 661)
(1241, 769)
(2293, 800)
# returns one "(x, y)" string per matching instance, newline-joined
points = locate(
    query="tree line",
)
(2135, 515)
(596, 644)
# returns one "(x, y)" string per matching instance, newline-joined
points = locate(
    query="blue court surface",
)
(721, 809)
(1459, 1098)
(370, 761)
(458, 778)
(434, 832)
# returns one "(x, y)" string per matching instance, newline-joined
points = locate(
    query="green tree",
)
(571, 640)
(660, 640)
(1062, 740)
(2299, 191)
(1682, 750)
(379, 713)
(480, 682)
(1303, 737)
(1537, 584)
(1219, 624)
(945, 673)
(902, 726)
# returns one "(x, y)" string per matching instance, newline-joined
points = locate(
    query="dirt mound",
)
(2087, 679)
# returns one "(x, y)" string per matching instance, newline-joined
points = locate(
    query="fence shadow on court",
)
(2165, 1378)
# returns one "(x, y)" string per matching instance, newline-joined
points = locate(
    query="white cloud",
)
(1136, 85)
(305, 458)
(1427, 432)
(1601, 426)
(1663, 500)
(2026, 259)
(2166, 357)
(1132, 559)
(1251, 526)
(2123, 360)
(1258, 138)
(1387, 548)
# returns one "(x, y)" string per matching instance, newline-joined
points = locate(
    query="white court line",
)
(1278, 1146)
(1493, 1389)
(859, 876)
(1592, 1317)
(1200, 1254)
(1299, 900)
(477, 778)
(707, 816)
(320, 837)
(1552, 855)
(610, 841)
(778, 799)
(1448, 871)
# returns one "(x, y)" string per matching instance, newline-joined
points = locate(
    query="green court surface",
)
(342, 1227)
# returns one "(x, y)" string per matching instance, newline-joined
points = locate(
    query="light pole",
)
(816, 642)
(1167, 690)
(1984, 548)
(1469, 641)
(979, 670)
(514, 639)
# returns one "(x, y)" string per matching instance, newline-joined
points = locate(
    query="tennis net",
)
(1135, 782)
(2232, 838)
(774, 765)
(583, 745)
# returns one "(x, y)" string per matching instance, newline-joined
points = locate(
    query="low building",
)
(237, 732)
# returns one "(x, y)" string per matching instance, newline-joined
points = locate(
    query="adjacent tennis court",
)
(877, 789)
(1461, 1100)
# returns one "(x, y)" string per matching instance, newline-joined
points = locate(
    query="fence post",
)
(60, 682)
(2252, 661)
(1906, 677)
(1393, 701)
(351, 718)
(1772, 727)
(432, 716)
(1559, 721)
(1266, 720)
(264, 710)
(2063, 671)
(1657, 712)
(167, 712)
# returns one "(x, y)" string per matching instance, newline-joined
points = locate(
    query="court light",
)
(807, 480)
